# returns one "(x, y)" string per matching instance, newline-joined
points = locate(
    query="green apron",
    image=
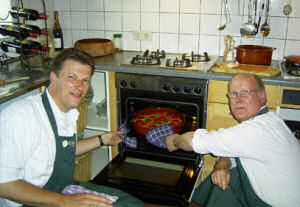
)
(239, 194)
(64, 165)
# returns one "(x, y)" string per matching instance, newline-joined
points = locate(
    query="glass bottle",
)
(21, 31)
(28, 14)
(57, 33)
(118, 42)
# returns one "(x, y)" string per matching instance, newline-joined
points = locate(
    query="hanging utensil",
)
(248, 29)
(226, 14)
(265, 28)
(287, 9)
(261, 9)
(3, 82)
(255, 12)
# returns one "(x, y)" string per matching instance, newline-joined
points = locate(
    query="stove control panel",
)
(174, 85)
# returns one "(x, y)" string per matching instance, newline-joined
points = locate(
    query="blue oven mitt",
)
(130, 142)
(158, 135)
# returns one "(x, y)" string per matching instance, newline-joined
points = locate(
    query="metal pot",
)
(254, 54)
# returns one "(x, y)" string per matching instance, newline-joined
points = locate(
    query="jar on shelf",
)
(118, 42)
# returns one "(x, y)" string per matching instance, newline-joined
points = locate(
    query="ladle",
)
(265, 28)
(287, 9)
(248, 29)
(226, 14)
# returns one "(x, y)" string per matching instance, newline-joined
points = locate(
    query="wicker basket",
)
(81, 121)
(83, 167)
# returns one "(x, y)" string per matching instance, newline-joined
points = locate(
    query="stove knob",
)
(187, 89)
(133, 84)
(176, 89)
(165, 87)
(123, 83)
(197, 90)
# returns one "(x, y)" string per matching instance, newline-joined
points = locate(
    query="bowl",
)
(96, 47)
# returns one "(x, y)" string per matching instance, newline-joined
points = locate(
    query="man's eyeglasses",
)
(242, 93)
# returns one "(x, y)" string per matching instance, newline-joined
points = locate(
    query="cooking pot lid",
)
(293, 58)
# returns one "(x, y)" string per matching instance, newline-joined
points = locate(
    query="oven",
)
(150, 173)
(289, 108)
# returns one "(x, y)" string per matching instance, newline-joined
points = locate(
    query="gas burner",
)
(183, 63)
(141, 60)
(155, 54)
(196, 57)
(294, 72)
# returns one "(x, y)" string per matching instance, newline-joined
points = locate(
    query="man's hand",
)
(112, 138)
(85, 200)
(220, 176)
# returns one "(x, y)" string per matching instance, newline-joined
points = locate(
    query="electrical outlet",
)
(137, 34)
(146, 34)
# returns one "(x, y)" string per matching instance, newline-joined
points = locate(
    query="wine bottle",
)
(21, 31)
(57, 33)
(25, 47)
(28, 14)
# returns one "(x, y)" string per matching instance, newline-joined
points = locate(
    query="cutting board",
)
(262, 70)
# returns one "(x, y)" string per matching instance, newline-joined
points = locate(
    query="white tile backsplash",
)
(169, 22)
(150, 5)
(95, 20)
(131, 21)
(176, 25)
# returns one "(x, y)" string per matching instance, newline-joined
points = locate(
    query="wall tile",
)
(151, 44)
(79, 34)
(278, 53)
(113, 5)
(169, 23)
(62, 5)
(129, 43)
(209, 24)
(188, 43)
(233, 27)
(131, 5)
(293, 28)
(292, 47)
(78, 5)
(150, 5)
(131, 21)
(95, 5)
(68, 38)
(211, 6)
(79, 20)
(96, 34)
(169, 5)
(190, 6)
(64, 20)
(113, 21)
(95, 20)
(150, 21)
(209, 44)
(189, 23)
(169, 42)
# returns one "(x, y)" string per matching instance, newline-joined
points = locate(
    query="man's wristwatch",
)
(101, 140)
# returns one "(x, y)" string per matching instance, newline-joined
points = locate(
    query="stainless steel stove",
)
(160, 59)
(289, 70)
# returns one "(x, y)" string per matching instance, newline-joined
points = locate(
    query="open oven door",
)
(152, 180)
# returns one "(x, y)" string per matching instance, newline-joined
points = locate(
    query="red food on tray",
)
(149, 118)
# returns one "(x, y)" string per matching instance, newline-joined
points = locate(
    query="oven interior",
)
(150, 173)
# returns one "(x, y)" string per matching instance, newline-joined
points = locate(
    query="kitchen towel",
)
(74, 189)
(157, 135)
(130, 142)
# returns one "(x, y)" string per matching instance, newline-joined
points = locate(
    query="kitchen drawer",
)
(217, 91)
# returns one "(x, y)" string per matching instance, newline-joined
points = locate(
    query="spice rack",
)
(24, 58)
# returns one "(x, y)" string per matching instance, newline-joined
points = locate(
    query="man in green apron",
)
(36, 179)
(258, 161)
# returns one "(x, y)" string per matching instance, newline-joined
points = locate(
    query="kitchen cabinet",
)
(218, 113)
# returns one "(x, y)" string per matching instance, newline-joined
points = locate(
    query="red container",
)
(254, 54)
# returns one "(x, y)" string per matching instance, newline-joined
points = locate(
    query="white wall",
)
(177, 25)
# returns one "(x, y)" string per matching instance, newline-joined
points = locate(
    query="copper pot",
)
(254, 54)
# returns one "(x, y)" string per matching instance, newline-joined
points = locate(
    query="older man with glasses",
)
(258, 161)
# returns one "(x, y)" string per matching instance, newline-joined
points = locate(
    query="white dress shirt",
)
(27, 143)
(269, 153)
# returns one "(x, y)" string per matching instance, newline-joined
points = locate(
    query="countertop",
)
(114, 63)
(39, 76)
